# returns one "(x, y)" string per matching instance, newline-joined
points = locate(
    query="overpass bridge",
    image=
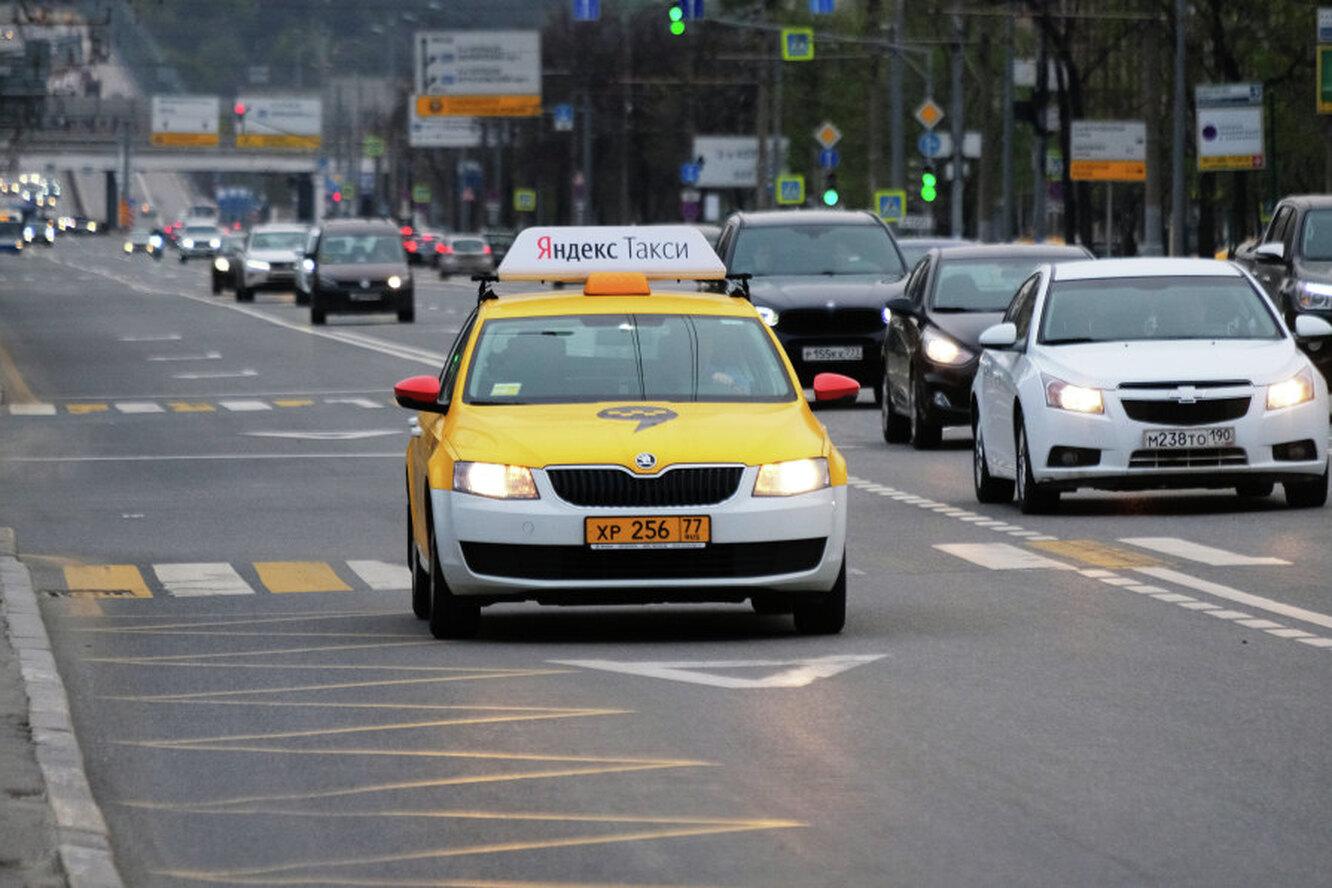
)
(89, 158)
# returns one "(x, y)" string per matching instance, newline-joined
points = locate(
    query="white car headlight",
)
(1309, 295)
(1296, 390)
(215, 243)
(494, 480)
(187, 243)
(155, 240)
(1076, 398)
(221, 264)
(792, 477)
(942, 349)
(769, 315)
(394, 282)
(257, 265)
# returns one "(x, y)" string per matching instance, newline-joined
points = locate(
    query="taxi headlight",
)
(792, 477)
(1066, 396)
(394, 282)
(769, 315)
(257, 265)
(1296, 390)
(494, 480)
(943, 350)
(1313, 296)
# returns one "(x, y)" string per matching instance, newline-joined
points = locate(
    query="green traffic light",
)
(928, 181)
(677, 20)
(831, 197)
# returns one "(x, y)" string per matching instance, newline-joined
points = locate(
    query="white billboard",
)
(185, 120)
(732, 161)
(478, 73)
(442, 132)
(279, 122)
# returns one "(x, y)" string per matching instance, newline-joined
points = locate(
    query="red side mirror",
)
(418, 393)
(834, 387)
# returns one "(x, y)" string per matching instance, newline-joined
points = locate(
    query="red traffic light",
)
(240, 109)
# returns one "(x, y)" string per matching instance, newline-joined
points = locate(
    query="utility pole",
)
(959, 182)
(1178, 214)
(1005, 232)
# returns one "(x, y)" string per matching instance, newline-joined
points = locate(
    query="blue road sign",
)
(790, 189)
(586, 10)
(689, 173)
(692, 9)
(829, 158)
(820, 7)
(564, 117)
(891, 204)
(929, 144)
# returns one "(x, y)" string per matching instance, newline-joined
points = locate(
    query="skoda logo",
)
(646, 417)
(645, 462)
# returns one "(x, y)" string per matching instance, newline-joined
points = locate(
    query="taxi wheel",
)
(420, 575)
(450, 617)
(1033, 498)
(823, 614)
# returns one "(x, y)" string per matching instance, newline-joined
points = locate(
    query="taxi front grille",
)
(1188, 458)
(1198, 413)
(835, 321)
(583, 564)
(611, 487)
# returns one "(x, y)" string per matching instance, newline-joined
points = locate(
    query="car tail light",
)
(445, 248)
(409, 246)
(486, 249)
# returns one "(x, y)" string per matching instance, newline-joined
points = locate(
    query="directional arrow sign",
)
(780, 673)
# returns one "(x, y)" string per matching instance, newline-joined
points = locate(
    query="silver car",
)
(270, 258)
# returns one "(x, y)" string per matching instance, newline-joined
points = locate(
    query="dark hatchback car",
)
(930, 350)
(820, 279)
(1293, 262)
(359, 265)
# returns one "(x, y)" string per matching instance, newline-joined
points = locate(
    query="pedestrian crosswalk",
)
(200, 579)
(92, 407)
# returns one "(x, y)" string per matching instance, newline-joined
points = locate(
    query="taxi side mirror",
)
(419, 393)
(835, 387)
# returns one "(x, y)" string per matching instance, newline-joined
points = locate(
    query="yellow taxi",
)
(613, 443)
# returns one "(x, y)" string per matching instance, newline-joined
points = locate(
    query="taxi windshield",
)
(586, 358)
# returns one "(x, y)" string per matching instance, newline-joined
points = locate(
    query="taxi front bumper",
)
(536, 550)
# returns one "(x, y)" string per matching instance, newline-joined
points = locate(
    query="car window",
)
(1023, 305)
(915, 287)
(815, 249)
(449, 377)
(981, 284)
(1279, 229)
(585, 358)
(360, 249)
(277, 240)
(1118, 309)
(1316, 239)
(469, 245)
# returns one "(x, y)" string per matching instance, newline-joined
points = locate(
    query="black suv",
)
(360, 266)
(820, 279)
(1293, 262)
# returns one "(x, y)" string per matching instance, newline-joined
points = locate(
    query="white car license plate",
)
(832, 353)
(1183, 439)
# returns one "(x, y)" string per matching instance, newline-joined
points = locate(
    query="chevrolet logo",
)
(1187, 394)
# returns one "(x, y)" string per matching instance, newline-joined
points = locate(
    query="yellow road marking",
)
(1098, 553)
(299, 576)
(107, 581)
(80, 409)
(191, 407)
(293, 402)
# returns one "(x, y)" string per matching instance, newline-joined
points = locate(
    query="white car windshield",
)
(816, 250)
(1117, 309)
(277, 240)
(587, 358)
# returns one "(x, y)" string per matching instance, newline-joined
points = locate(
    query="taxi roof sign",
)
(572, 253)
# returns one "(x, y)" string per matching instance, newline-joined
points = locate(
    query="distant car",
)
(272, 252)
(359, 265)
(464, 254)
(930, 350)
(198, 241)
(142, 239)
(500, 240)
(820, 279)
(621, 444)
(420, 244)
(914, 248)
(40, 231)
(11, 236)
(227, 262)
(305, 267)
(1137, 374)
(1293, 263)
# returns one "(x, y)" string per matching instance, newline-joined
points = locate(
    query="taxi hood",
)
(610, 433)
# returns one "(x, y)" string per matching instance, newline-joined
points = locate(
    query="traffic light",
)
(830, 193)
(240, 109)
(676, 14)
(928, 183)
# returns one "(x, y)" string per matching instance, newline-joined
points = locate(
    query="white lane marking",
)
(162, 337)
(192, 580)
(357, 402)
(223, 374)
(243, 406)
(1239, 597)
(1198, 552)
(208, 356)
(32, 409)
(327, 436)
(790, 674)
(382, 576)
(139, 407)
(1001, 556)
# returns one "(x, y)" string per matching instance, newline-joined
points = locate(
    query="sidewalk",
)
(52, 834)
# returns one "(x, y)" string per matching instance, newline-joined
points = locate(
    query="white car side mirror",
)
(999, 336)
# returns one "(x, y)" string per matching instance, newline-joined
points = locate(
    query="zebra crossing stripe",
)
(382, 576)
(107, 580)
(299, 576)
(193, 580)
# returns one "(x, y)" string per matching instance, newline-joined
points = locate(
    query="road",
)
(209, 499)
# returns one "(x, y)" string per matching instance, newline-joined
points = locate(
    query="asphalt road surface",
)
(208, 497)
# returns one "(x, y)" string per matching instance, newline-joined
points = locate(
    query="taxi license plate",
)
(832, 353)
(655, 532)
(1184, 439)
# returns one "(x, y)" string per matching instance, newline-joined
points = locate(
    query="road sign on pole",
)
(929, 113)
(790, 190)
(797, 44)
(890, 204)
(827, 135)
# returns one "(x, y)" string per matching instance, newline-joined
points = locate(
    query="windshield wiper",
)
(1071, 340)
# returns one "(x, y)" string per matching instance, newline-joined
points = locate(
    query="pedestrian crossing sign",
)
(790, 190)
(890, 204)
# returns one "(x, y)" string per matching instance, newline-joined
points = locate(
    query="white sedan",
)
(1138, 374)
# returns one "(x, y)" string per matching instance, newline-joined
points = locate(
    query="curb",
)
(81, 834)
